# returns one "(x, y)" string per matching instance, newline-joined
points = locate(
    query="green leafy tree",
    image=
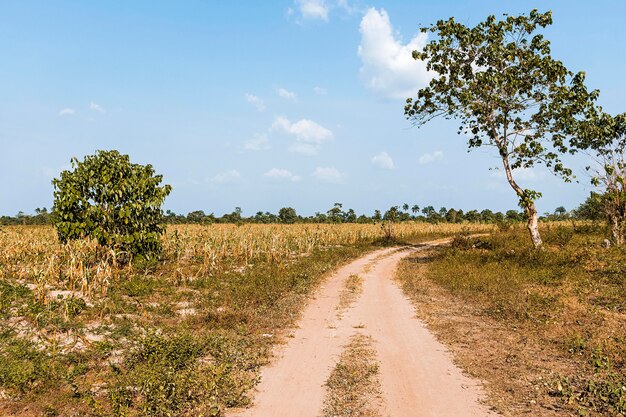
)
(108, 198)
(451, 216)
(487, 216)
(336, 214)
(605, 136)
(350, 216)
(560, 213)
(472, 216)
(287, 215)
(500, 82)
(592, 208)
(197, 216)
(513, 216)
(392, 214)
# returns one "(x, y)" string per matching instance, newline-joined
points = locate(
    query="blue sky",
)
(263, 105)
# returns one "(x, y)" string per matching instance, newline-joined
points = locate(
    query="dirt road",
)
(417, 375)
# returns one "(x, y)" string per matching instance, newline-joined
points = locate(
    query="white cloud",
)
(226, 177)
(67, 112)
(347, 7)
(313, 9)
(303, 148)
(259, 142)
(389, 69)
(320, 91)
(321, 9)
(303, 130)
(255, 101)
(427, 158)
(96, 107)
(287, 95)
(383, 160)
(281, 174)
(328, 174)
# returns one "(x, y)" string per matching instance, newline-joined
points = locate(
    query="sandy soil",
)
(417, 374)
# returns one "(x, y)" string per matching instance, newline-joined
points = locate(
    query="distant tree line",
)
(591, 209)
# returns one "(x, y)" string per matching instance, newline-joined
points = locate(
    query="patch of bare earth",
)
(518, 371)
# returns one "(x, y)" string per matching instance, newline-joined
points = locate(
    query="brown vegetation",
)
(544, 329)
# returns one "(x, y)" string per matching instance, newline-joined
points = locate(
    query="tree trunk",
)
(533, 225)
(616, 229)
(525, 201)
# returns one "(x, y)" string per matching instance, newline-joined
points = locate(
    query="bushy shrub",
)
(110, 199)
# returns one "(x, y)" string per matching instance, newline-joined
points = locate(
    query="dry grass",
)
(545, 330)
(81, 334)
(353, 287)
(353, 388)
(34, 255)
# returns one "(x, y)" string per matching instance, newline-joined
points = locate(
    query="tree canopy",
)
(500, 82)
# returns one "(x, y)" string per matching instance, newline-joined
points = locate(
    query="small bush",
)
(110, 199)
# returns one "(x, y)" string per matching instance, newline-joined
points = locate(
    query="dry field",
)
(81, 334)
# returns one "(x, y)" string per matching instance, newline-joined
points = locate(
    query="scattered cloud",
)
(287, 95)
(320, 91)
(304, 130)
(281, 174)
(255, 101)
(383, 161)
(388, 68)
(320, 9)
(225, 177)
(427, 158)
(259, 142)
(347, 7)
(67, 112)
(313, 9)
(328, 174)
(303, 148)
(96, 107)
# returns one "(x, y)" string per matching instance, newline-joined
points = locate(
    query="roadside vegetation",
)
(184, 335)
(558, 316)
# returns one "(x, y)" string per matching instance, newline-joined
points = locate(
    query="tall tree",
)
(500, 82)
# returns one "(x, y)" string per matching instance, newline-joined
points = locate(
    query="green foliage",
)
(110, 199)
(287, 215)
(500, 82)
(21, 364)
(605, 135)
(161, 371)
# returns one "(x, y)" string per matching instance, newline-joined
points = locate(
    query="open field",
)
(84, 335)
(545, 330)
